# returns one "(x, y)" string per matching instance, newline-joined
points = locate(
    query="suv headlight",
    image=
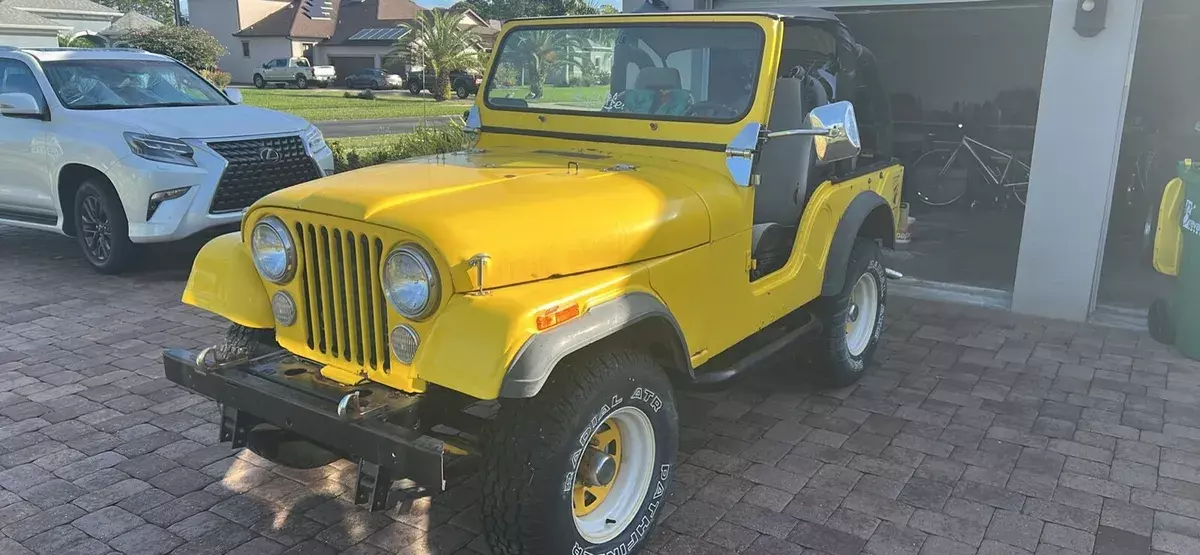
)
(314, 138)
(161, 149)
(410, 282)
(273, 251)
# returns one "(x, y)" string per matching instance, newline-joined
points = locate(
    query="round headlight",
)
(410, 282)
(274, 253)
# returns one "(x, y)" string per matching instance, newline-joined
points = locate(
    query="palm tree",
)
(544, 50)
(438, 41)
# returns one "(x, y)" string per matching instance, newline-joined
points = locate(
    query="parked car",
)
(121, 147)
(297, 71)
(534, 301)
(463, 83)
(373, 79)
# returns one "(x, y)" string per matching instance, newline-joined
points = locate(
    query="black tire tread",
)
(124, 252)
(242, 341)
(832, 359)
(511, 455)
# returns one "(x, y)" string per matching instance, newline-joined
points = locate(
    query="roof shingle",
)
(10, 16)
(66, 5)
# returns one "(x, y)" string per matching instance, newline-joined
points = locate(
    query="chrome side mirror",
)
(834, 130)
(234, 95)
(19, 105)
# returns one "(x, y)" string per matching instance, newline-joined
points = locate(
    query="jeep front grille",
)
(344, 314)
(258, 167)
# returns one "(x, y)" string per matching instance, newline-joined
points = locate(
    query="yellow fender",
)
(1168, 240)
(225, 282)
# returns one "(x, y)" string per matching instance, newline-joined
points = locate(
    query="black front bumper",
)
(289, 393)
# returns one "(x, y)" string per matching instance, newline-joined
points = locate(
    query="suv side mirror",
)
(267, 65)
(234, 95)
(834, 129)
(19, 105)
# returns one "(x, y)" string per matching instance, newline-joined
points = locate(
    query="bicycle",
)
(942, 176)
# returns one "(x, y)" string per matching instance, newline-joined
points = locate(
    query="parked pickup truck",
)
(297, 71)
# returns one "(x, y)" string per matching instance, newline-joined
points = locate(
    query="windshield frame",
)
(220, 93)
(754, 86)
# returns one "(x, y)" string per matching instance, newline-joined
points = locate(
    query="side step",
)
(745, 357)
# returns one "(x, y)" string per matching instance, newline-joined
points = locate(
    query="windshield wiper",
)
(102, 107)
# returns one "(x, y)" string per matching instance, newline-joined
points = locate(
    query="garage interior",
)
(973, 69)
(1161, 126)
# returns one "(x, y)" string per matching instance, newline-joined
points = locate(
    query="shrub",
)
(191, 45)
(218, 78)
(365, 94)
(577, 81)
(423, 141)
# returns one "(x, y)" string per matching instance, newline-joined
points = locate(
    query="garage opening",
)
(1162, 128)
(347, 65)
(954, 70)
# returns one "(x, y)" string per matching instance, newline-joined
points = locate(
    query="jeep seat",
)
(657, 90)
(785, 166)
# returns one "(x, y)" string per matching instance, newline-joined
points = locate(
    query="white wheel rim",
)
(864, 310)
(630, 485)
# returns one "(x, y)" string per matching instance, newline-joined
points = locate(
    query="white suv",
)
(120, 147)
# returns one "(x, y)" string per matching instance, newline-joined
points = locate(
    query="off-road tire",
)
(301, 82)
(259, 81)
(462, 92)
(834, 364)
(529, 448)
(242, 342)
(414, 88)
(122, 252)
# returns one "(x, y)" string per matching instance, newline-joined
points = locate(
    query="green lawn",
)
(323, 105)
(368, 143)
(592, 97)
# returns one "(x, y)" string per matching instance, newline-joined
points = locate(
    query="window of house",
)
(245, 49)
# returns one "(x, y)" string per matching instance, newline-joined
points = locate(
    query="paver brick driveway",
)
(977, 432)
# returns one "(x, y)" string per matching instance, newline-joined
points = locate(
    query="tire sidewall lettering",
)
(651, 403)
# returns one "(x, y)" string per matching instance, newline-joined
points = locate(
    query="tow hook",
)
(893, 274)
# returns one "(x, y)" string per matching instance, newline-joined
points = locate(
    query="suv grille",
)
(253, 172)
(344, 313)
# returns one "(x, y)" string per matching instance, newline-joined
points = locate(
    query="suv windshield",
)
(121, 84)
(690, 72)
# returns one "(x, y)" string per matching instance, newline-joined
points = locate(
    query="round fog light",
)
(284, 308)
(404, 343)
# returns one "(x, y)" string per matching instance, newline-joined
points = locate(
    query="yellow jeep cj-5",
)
(651, 201)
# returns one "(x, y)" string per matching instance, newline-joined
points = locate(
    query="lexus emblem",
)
(269, 154)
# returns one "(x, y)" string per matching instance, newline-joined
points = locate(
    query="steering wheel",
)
(711, 110)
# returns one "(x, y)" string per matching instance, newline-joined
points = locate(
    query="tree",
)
(191, 45)
(544, 50)
(162, 11)
(510, 9)
(436, 39)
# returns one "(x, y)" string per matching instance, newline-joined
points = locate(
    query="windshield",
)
(122, 84)
(689, 72)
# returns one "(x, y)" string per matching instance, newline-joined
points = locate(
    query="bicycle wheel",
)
(939, 177)
(1018, 180)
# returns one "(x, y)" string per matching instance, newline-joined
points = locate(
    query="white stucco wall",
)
(223, 18)
(46, 39)
(79, 24)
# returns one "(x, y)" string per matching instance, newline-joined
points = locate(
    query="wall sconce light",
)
(1090, 16)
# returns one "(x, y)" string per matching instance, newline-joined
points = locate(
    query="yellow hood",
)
(534, 214)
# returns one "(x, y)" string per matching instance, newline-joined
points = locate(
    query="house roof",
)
(60, 6)
(358, 15)
(13, 18)
(299, 18)
(129, 23)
